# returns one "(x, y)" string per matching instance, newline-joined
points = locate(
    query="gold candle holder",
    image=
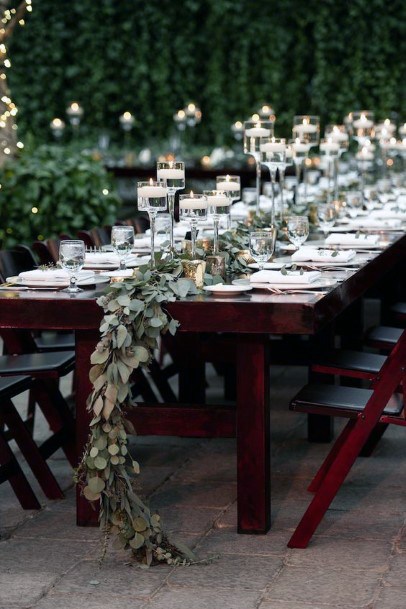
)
(194, 270)
(216, 265)
(205, 244)
(246, 256)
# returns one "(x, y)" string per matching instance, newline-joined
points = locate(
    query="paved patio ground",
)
(356, 560)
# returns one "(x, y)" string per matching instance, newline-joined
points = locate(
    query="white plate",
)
(42, 285)
(221, 289)
(315, 285)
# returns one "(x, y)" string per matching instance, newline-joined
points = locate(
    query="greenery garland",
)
(134, 318)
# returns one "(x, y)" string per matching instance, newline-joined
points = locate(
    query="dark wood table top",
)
(255, 312)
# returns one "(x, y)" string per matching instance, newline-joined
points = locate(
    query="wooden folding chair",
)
(365, 409)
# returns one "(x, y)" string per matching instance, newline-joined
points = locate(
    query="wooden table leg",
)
(253, 435)
(192, 379)
(86, 341)
(320, 428)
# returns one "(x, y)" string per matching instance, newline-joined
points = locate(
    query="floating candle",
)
(171, 174)
(258, 132)
(151, 192)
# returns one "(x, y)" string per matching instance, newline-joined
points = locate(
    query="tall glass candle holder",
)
(192, 209)
(152, 199)
(363, 126)
(273, 156)
(306, 128)
(231, 185)
(300, 151)
(282, 169)
(172, 174)
(218, 207)
(330, 150)
(254, 133)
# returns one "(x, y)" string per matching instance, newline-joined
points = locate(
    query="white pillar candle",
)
(193, 203)
(171, 174)
(151, 192)
(363, 123)
(228, 186)
(218, 200)
(272, 147)
(258, 132)
(300, 147)
(304, 129)
(329, 147)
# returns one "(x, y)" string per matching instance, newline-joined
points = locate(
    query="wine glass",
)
(231, 185)
(298, 230)
(218, 207)
(327, 215)
(172, 174)
(192, 209)
(273, 156)
(261, 245)
(72, 259)
(152, 198)
(254, 132)
(122, 240)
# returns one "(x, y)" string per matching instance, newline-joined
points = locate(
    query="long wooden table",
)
(250, 319)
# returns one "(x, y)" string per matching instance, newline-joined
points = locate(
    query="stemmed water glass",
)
(273, 156)
(327, 215)
(261, 245)
(172, 174)
(72, 259)
(192, 209)
(122, 240)
(298, 230)
(254, 132)
(152, 199)
(218, 207)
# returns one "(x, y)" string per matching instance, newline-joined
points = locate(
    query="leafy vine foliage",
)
(324, 57)
(134, 318)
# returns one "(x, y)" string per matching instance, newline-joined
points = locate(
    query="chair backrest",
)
(15, 261)
(43, 251)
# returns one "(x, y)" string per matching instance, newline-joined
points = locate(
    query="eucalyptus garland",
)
(134, 318)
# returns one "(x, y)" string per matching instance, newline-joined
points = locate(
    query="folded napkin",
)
(312, 254)
(290, 277)
(387, 213)
(142, 243)
(375, 223)
(101, 258)
(53, 275)
(349, 239)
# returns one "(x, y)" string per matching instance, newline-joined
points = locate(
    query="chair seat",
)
(384, 334)
(13, 385)
(352, 360)
(31, 363)
(345, 401)
(52, 341)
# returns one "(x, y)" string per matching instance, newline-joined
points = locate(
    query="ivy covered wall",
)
(152, 56)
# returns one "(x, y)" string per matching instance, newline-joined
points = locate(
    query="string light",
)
(8, 109)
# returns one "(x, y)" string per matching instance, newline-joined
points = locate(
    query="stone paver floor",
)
(356, 560)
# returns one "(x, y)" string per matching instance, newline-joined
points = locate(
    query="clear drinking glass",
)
(122, 240)
(172, 174)
(152, 198)
(72, 259)
(262, 244)
(298, 230)
(192, 209)
(231, 185)
(254, 132)
(273, 156)
(327, 215)
(218, 206)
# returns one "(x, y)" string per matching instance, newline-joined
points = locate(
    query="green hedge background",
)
(151, 57)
